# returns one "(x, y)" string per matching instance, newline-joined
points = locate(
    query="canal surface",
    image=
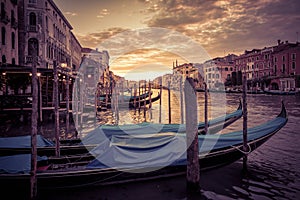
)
(274, 168)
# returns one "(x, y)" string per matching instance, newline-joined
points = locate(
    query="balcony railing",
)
(32, 28)
(28, 59)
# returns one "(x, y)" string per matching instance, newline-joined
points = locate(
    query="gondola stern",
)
(283, 112)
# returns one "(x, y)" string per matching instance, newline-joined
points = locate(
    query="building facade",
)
(9, 32)
(272, 68)
(45, 34)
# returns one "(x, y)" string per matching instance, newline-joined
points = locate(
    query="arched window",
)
(3, 35)
(33, 47)
(12, 17)
(13, 40)
(3, 59)
(2, 10)
(32, 19)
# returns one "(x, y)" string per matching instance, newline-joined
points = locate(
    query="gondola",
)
(113, 167)
(134, 104)
(21, 144)
(126, 98)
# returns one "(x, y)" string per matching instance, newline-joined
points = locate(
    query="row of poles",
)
(193, 168)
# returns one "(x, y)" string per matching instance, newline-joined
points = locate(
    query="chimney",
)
(278, 42)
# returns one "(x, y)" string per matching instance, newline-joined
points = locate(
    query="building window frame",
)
(3, 35)
(294, 65)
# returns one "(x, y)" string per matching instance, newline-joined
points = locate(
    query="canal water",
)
(273, 168)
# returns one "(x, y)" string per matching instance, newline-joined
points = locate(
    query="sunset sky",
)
(218, 27)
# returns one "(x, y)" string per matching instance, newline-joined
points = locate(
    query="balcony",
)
(28, 59)
(32, 28)
(14, 24)
(4, 18)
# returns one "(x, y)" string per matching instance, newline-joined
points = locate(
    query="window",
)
(13, 40)
(2, 11)
(3, 59)
(283, 68)
(3, 35)
(32, 1)
(293, 65)
(33, 47)
(283, 58)
(256, 66)
(32, 19)
(46, 22)
(226, 68)
(275, 59)
(13, 61)
(12, 18)
(293, 56)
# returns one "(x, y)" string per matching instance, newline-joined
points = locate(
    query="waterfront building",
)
(286, 69)
(276, 67)
(186, 70)
(101, 57)
(218, 71)
(9, 32)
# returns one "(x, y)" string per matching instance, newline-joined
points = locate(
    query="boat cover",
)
(23, 142)
(97, 135)
(17, 163)
(134, 152)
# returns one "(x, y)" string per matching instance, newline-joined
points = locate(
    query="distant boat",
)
(279, 92)
(123, 156)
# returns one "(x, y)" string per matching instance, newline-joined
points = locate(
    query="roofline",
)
(61, 14)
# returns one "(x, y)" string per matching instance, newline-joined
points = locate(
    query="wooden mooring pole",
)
(193, 167)
(34, 128)
(160, 91)
(205, 109)
(56, 111)
(67, 105)
(245, 118)
(169, 103)
(181, 101)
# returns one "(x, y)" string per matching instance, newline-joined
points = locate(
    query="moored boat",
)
(118, 164)
(21, 144)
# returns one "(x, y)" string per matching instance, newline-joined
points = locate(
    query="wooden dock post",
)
(245, 119)
(134, 94)
(150, 101)
(34, 128)
(205, 108)
(193, 167)
(160, 91)
(145, 88)
(181, 101)
(139, 96)
(67, 104)
(56, 111)
(169, 102)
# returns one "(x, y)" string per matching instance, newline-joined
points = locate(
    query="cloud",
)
(229, 25)
(72, 14)
(103, 13)
(94, 39)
